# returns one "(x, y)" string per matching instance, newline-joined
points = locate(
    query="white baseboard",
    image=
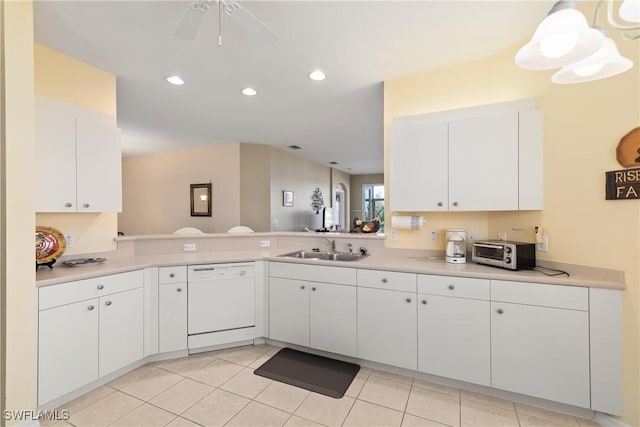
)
(606, 420)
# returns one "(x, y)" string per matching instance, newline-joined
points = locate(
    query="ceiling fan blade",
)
(249, 23)
(192, 20)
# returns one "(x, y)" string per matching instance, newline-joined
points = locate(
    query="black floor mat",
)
(314, 373)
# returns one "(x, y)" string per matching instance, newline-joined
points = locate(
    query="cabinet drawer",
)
(177, 274)
(391, 280)
(66, 293)
(450, 286)
(313, 273)
(571, 297)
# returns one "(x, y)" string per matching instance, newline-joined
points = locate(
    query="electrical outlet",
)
(394, 234)
(502, 236)
(265, 243)
(471, 236)
(189, 246)
(69, 239)
(433, 236)
(544, 245)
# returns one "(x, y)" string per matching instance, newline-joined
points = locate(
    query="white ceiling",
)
(359, 44)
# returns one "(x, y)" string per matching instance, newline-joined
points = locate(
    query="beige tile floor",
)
(219, 388)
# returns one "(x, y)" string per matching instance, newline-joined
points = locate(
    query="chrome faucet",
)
(350, 247)
(332, 244)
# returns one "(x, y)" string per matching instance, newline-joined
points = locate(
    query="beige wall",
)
(582, 126)
(156, 197)
(255, 186)
(17, 276)
(294, 173)
(67, 79)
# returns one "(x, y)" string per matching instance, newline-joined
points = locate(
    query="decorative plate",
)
(50, 244)
(83, 261)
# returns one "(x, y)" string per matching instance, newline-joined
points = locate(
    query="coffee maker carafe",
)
(456, 252)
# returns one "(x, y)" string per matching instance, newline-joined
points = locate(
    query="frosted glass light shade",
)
(630, 10)
(606, 62)
(562, 38)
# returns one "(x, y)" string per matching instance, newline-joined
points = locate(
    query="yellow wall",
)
(582, 126)
(67, 79)
(17, 278)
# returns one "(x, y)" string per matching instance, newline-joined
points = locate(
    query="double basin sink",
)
(326, 256)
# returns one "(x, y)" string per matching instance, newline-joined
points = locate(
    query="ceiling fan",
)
(247, 21)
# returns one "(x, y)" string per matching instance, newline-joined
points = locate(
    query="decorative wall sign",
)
(628, 150)
(623, 184)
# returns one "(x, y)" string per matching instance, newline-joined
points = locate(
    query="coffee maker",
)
(456, 251)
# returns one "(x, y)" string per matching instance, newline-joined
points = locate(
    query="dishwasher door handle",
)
(204, 269)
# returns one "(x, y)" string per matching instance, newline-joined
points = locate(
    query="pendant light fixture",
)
(564, 39)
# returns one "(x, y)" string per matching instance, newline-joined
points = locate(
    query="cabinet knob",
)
(301, 286)
(499, 311)
(455, 203)
(108, 303)
(424, 302)
(172, 275)
(68, 205)
(384, 280)
(86, 205)
(313, 288)
(100, 287)
(408, 299)
(452, 287)
(179, 289)
(440, 203)
(91, 307)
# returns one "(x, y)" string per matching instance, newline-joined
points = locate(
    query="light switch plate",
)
(265, 243)
(189, 246)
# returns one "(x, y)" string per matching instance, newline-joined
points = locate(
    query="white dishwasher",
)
(221, 304)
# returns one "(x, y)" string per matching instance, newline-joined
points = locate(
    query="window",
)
(373, 202)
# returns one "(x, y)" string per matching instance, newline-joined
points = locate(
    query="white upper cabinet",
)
(486, 158)
(78, 159)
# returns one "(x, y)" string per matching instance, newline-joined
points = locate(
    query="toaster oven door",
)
(490, 252)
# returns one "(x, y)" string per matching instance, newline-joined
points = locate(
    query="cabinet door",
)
(483, 163)
(55, 168)
(454, 338)
(99, 167)
(172, 317)
(333, 318)
(541, 352)
(289, 310)
(121, 330)
(387, 327)
(67, 348)
(418, 167)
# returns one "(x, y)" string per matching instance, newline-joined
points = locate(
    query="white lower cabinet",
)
(289, 310)
(332, 318)
(541, 350)
(121, 330)
(67, 348)
(172, 317)
(387, 327)
(88, 329)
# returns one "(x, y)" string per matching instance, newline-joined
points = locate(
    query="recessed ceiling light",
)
(175, 80)
(317, 75)
(249, 91)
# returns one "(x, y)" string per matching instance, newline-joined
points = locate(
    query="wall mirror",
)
(201, 199)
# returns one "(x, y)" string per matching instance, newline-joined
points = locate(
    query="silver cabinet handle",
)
(408, 300)
(424, 302)
(384, 280)
(452, 287)
(107, 303)
(100, 287)
(179, 289)
(313, 288)
(172, 275)
(68, 205)
(91, 307)
(301, 286)
(499, 311)
(440, 203)
(86, 205)
(455, 203)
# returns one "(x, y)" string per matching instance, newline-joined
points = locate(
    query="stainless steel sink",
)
(328, 256)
